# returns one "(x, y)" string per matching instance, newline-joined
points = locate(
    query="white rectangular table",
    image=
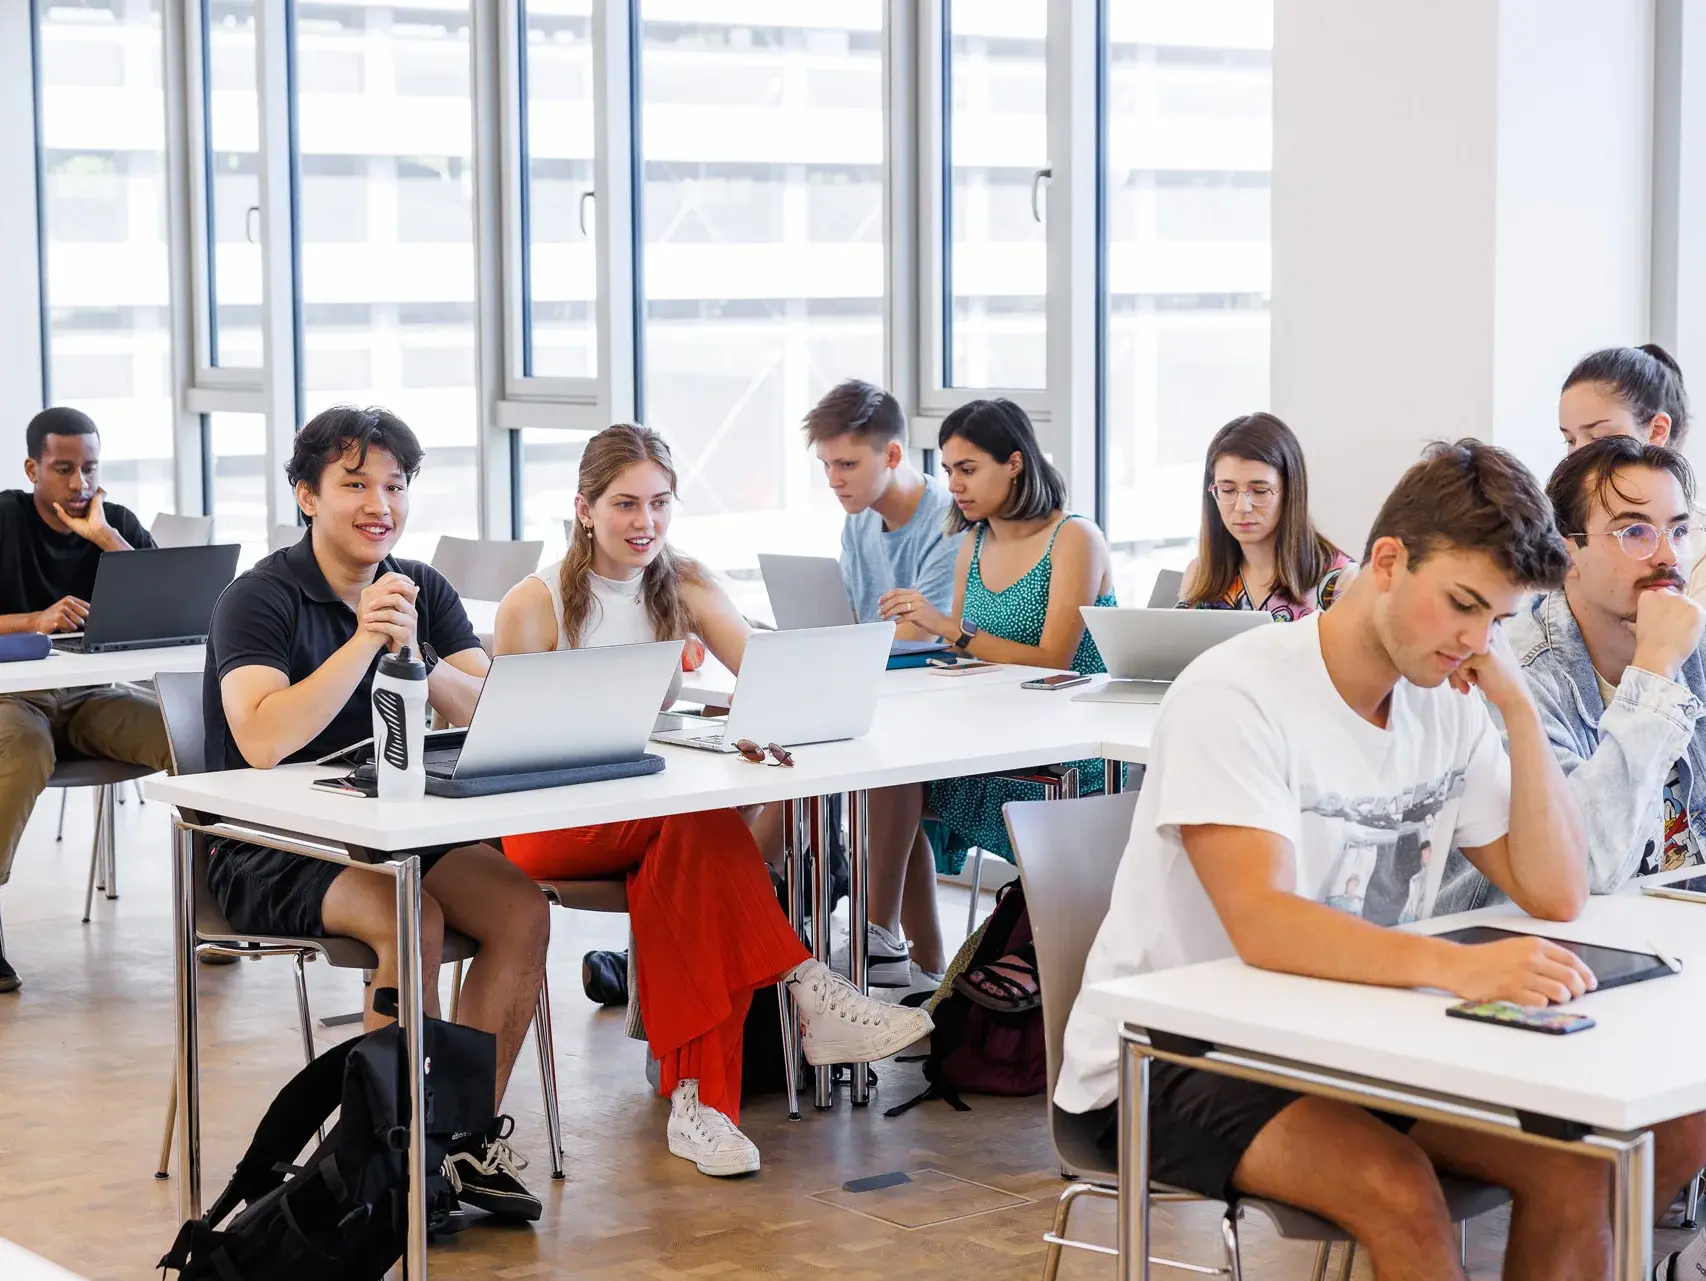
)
(1597, 1091)
(70, 671)
(982, 724)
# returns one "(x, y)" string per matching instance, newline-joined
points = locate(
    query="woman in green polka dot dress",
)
(1021, 578)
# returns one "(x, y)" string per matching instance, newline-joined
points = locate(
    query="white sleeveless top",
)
(618, 615)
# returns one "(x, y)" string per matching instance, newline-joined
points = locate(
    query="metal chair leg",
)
(976, 877)
(306, 1017)
(64, 796)
(111, 844)
(544, 1043)
(1229, 1236)
(136, 786)
(94, 853)
(171, 1124)
(1463, 1244)
(1347, 1261)
(790, 1053)
(1323, 1256)
(1691, 1207)
(456, 988)
(1062, 1217)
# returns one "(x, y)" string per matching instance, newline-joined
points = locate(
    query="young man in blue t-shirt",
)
(895, 536)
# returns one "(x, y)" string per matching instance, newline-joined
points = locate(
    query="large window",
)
(386, 222)
(995, 148)
(237, 447)
(103, 201)
(763, 267)
(232, 162)
(1189, 150)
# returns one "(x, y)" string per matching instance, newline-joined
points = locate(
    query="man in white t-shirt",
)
(1331, 759)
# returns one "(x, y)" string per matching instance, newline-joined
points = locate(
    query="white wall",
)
(20, 297)
(1461, 209)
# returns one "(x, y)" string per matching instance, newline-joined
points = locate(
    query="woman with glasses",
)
(708, 930)
(1258, 549)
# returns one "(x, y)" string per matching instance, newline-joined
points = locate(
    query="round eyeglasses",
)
(1640, 541)
(1227, 494)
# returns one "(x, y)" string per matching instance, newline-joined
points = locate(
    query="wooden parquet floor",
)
(85, 1055)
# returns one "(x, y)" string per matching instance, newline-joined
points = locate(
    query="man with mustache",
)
(1613, 658)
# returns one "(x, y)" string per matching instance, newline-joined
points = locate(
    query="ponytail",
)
(1646, 379)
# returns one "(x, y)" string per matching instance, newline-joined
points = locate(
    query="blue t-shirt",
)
(917, 555)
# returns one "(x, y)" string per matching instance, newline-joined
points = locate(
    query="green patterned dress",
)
(970, 808)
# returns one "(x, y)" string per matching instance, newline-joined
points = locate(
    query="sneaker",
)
(9, 980)
(887, 963)
(922, 980)
(840, 1024)
(485, 1172)
(1665, 1268)
(706, 1137)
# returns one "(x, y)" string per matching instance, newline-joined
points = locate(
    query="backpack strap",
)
(305, 1103)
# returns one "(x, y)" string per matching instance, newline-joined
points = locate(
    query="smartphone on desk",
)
(1060, 680)
(960, 666)
(1551, 1022)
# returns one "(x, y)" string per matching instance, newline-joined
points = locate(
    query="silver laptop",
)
(1146, 649)
(560, 710)
(805, 591)
(813, 686)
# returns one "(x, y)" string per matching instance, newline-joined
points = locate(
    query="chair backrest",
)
(186, 732)
(484, 569)
(1068, 852)
(283, 536)
(1168, 584)
(169, 530)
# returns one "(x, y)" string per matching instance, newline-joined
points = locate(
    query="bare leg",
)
(1560, 1221)
(1344, 1164)
(363, 905)
(766, 824)
(918, 914)
(494, 902)
(894, 812)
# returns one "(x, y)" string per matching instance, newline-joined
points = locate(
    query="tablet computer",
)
(1612, 966)
(1690, 889)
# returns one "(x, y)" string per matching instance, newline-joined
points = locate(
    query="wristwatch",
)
(968, 633)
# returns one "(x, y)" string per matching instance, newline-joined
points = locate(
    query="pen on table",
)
(1670, 962)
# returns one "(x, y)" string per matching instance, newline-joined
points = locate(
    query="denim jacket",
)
(1617, 758)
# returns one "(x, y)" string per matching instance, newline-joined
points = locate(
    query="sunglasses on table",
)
(751, 751)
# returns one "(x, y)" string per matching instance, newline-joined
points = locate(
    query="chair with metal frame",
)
(1068, 855)
(1168, 584)
(180, 704)
(1059, 783)
(485, 568)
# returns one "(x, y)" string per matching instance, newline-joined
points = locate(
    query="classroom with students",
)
(1044, 640)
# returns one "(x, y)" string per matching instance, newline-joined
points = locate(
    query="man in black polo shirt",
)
(290, 660)
(52, 537)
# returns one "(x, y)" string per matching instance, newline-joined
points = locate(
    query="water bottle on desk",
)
(399, 726)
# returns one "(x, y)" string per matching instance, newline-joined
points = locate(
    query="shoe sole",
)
(502, 1207)
(889, 973)
(11, 983)
(904, 1034)
(720, 1168)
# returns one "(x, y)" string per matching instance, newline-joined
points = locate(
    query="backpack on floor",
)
(979, 1050)
(342, 1215)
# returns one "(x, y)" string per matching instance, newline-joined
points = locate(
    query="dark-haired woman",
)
(1020, 581)
(1624, 391)
(1258, 548)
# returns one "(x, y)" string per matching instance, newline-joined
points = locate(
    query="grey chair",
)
(484, 569)
(169, 530)
(180, 703)
(1168, 584)
(1068, 853)
(282, 536)
(104, 776)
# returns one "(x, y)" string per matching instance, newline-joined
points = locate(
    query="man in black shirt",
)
(291, 654)
(52, 537)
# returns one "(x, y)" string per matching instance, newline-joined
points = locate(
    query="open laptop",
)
(154, 596)
(818, 685)
(808, 591)
(1144, 650)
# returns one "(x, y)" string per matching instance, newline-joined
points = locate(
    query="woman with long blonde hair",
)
(708, 930)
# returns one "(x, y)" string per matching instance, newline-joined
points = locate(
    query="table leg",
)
(823, 1095)
(1632, 1210)
(1113, 777)
(791, 888)
(410, 987)
(188, 1066)
(858, 916)
(1134, 1161)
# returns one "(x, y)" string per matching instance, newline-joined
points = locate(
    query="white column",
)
(1679, 188)
(1461, 209)
(21, 391)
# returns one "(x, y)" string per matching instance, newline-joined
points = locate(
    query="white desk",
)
(69, 671)
(1395, 1049)
(18, 1264)
(968, 728)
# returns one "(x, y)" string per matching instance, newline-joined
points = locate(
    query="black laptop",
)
(153, 597)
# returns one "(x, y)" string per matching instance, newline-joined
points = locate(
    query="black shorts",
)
(1201, 1124)
(267, 891)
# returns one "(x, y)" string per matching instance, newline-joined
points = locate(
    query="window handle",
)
(251, 225)
(586, 196)
(1036, 190)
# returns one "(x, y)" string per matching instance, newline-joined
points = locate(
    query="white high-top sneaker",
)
(840, 1024)
(704, 1136)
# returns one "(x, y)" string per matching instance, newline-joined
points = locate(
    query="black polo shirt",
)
(40, 566)
(284, 615)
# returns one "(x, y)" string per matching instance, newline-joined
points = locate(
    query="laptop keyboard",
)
(710, 740)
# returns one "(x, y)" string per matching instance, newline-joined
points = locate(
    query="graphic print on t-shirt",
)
(1386, 849)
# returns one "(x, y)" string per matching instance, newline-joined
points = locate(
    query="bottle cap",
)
(403, 666)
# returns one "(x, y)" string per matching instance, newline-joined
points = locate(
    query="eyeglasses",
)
(753, 752)
(1641, 540)
(1226, 494)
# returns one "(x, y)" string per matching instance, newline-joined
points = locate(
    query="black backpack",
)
(342, 1215)
(978, 1049)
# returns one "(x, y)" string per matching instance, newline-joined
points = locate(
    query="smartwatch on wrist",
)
(968, 633)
